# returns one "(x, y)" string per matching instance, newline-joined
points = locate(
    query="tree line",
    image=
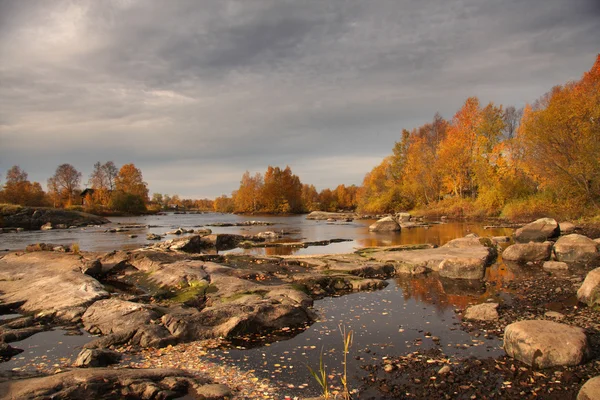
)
(112, 189)
(279, 191)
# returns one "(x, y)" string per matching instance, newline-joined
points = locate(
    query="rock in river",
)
(538, 231)
(386, 224)
(576, 248)
(482, 312)
(526, 252)
(544, 344)
(589, 292)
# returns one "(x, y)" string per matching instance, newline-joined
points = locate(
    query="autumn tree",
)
(281, 191)
(64, 185)
(561, 139)
(102, 180)
(129, 180)
(310, 198)
(512, 119)
(19, 190)
(223, 204)
(248, 197)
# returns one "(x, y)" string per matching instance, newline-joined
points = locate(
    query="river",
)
(408, 315)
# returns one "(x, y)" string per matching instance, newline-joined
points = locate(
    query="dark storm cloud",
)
(196, 92)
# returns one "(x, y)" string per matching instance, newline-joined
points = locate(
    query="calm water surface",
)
(297, 227)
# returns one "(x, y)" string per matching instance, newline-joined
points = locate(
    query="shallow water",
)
(300, 229)
(400, 319)
(46, 350)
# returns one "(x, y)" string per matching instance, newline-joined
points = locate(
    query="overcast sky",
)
(195, 92)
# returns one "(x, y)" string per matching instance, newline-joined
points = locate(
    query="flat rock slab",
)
(105, 383)
(528, 252)
(48, 282)
(538, 231)
(590, 390)
(544, 344)
(114, 316)
(589, 292)
(482, 312)
(467, 251)
(576, 248)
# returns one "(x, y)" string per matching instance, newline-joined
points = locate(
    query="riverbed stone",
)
(213, 391)
(544, 344)
(589, 292)
(528, 252)
(576, 248)
(95, 358)
(33, 218)
(538, 231)
(555, 266)
(462, 268)
(590, 390)
(47, 226)
(566, 227)
(482, 312)
(114, 315)
(386, 224)
(47, 282)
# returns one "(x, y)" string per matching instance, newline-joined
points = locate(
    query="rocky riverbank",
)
(182, 291)
(31, 218)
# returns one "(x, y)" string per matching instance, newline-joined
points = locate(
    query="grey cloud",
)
(219, 87)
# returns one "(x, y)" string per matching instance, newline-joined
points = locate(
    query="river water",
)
(404, 317)
(296, 227)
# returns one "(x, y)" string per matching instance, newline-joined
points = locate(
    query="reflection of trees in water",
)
(444, 294)
(438, 234)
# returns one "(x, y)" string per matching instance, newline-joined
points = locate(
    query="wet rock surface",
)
(589, 292)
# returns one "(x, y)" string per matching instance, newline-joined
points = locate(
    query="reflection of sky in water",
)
(300, 229)
(390, 322)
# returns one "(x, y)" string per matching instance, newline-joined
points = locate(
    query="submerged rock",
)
(544, 344)
(538, 231)
(324, 216)
(589, 292)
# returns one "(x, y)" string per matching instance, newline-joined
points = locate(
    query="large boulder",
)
(526, 252)
(590, 390)
(538, 231)
(544, 344)
(386, 224)
(462, 268)
(589, 292)
(576, 248)
(482, 312)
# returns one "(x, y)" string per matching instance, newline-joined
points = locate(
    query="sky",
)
(195, 92)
